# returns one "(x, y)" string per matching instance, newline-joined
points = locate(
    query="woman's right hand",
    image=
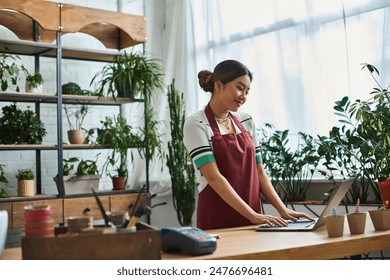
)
(268, 219)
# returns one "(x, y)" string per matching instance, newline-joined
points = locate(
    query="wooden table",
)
(244, 243)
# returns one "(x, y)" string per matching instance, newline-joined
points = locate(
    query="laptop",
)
(308, 225)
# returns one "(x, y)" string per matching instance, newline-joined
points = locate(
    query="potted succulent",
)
(20, 126)
(179, 162)
(79, 175)
(75, 114)
(361, 147)
(3, 179)
(9, 71)
(26, 182)
(34, 83)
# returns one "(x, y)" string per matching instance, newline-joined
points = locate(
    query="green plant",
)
(130, 74)
(20, 126)
(9, 71)
(3, 193)
(361, 146)
(119, 136)
(25, 174)
(179, 162)
(291, 170)
(35, 79)
(75, 114)
(84, 167)
(3, 179)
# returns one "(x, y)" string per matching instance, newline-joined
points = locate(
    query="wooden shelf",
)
(66, 99)
(115, 30)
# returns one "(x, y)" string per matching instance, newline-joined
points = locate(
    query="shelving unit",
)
(40, 36)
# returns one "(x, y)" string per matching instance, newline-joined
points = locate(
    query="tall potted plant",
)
(179, 162)
(363, 141)
(75, 114)
(119, 136)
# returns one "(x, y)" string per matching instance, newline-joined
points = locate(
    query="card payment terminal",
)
(189, 240)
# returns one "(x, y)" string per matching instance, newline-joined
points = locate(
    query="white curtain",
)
(305, 54)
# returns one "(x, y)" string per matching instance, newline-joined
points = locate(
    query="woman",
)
(223, 146)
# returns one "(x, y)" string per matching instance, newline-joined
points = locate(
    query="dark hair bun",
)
(206, 81)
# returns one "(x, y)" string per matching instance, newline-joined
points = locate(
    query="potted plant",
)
(179, 162)
(75, 114)
(26, 182)
(361, 147)
(20, 126)
(3, 179)
(118, 135)
(291, 170)
(34, 83)
(9, 71)
(131, 74)
(79, 175)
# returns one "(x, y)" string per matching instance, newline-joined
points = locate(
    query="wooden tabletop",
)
(245, 243)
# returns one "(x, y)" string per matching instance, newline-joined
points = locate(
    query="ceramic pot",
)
(76, 136)
(384, 188)
(334, 225)
(35, 90)
(357, 222)
(3, 230)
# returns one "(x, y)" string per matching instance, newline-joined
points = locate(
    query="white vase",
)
(35, 90)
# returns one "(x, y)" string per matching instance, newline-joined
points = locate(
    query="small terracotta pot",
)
(357, 222)
(335, 225)
(118, 183)
(380, 219)
(76, 136)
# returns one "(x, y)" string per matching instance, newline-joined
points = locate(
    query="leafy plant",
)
(130, 74)
(3, 193)
(361, 146)
(119, 136)
(34, 79)
(291, 170)
(9, 71)
(3, 179)
(20, 126)
(179, 162)
(83, 168)
(25, 174)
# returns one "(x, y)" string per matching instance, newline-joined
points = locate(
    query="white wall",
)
(82, 72)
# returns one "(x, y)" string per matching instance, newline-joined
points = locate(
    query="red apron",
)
(236, 160)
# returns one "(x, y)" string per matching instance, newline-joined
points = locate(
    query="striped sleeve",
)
(197, 141)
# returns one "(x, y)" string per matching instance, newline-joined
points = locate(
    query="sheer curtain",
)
(305, 54)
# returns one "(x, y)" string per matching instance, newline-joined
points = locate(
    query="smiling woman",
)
(223, 146)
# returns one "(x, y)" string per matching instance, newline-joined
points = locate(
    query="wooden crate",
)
(144, 244)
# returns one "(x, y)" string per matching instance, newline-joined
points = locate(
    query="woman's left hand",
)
(292, 215)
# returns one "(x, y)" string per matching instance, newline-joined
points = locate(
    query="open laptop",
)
(308, 225)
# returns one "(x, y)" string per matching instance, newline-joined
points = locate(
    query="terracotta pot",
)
(335, 225)
(118, 183)
(384, 188)
(76, 136)
(380, 219)
(357, 222)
